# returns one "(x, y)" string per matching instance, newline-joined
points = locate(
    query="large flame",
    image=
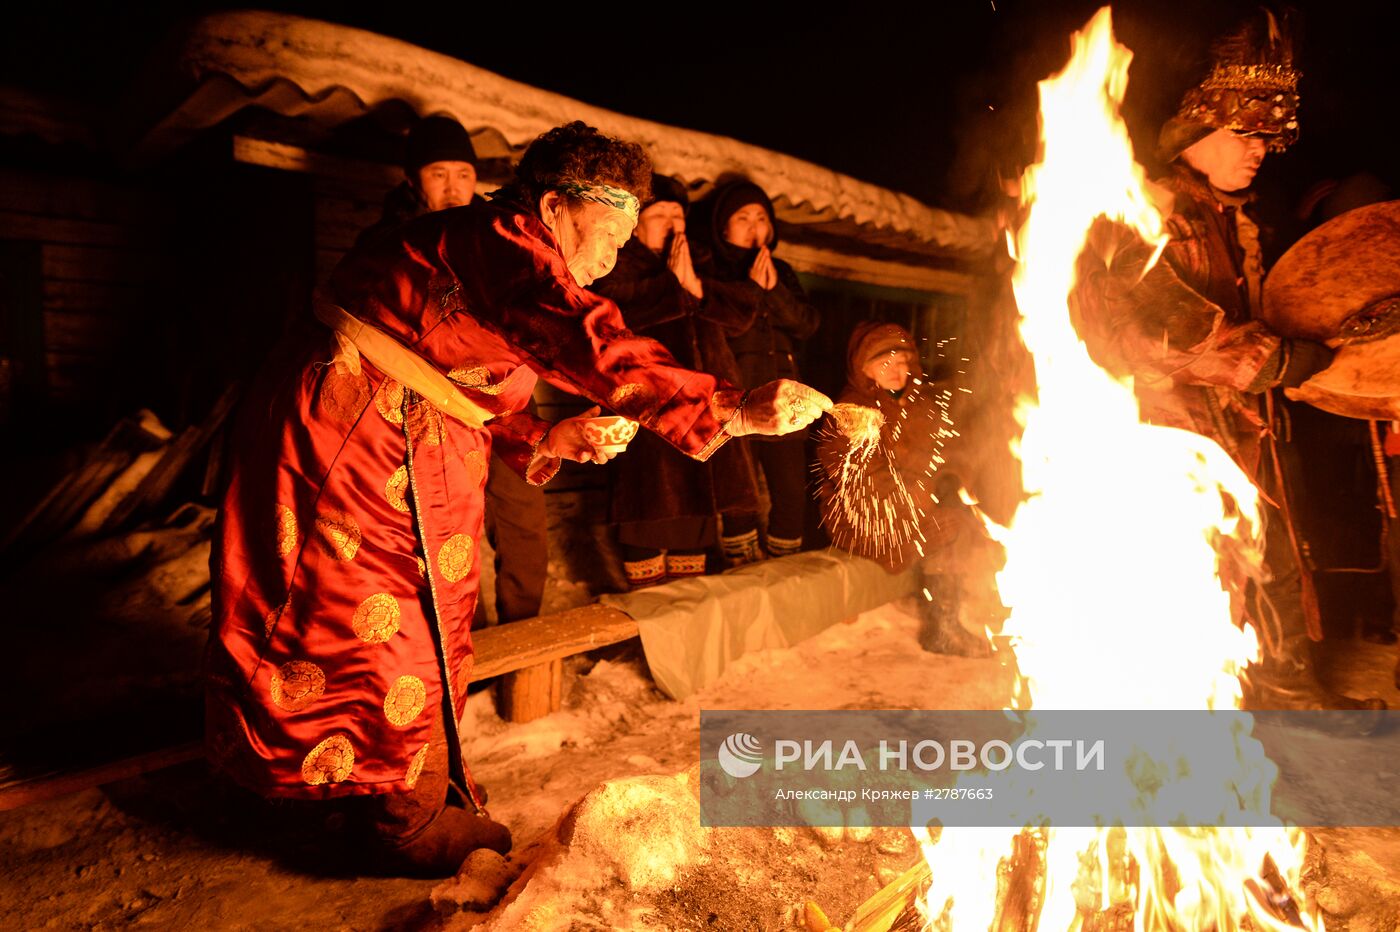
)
(1112, 572)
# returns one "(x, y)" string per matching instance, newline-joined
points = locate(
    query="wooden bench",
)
(528, 656)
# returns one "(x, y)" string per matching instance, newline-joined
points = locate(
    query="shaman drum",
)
(1340, 285)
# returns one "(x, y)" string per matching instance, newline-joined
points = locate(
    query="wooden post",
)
(531, 693)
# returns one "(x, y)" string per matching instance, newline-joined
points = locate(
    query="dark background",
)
(935, 101)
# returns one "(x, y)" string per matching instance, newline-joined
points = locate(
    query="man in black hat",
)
(440, 173)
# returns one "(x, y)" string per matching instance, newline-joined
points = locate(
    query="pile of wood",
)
(127, 478)
(111, 568)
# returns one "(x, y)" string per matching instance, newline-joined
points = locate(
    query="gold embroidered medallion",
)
(344, 394)
(377, 618)
(396, 489)
(426, 424)
(415, 767)
(270, 619)
(404, 700)
(388, 401)
(329, 762)
(632, 399)
(286, 530)
(296, 685)
(454, 560)
(476, 467)
(340, 532)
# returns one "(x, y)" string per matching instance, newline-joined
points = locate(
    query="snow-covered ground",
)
(171, 850)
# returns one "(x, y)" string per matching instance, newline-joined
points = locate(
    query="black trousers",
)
(784, 464)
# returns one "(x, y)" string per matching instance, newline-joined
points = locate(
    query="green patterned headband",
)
(616, 198)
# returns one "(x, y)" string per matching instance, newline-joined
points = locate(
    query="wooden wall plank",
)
(95, 296)
(83, 332)
(67, 262)
(77, 198)
(15, 225)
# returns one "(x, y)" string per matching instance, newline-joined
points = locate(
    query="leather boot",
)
(940, 632)
(1289, 681)
(440, 848)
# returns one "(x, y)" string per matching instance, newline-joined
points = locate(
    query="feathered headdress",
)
(1252, 88)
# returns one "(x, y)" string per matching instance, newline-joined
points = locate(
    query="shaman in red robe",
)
(345, 573)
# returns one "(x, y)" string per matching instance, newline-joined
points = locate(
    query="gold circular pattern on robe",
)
(422, 566)
(415, 767)
(478, 379)
(296, 685)
(404, 700)
(270, 619)
(286, 530)
(389, 401)
(632, 399)
(426, 424)
(344, 394)
(454, 560)
(377, 618)
(396, 489)
(340, 532)
(329, 762)
(476, 466)
(470, 376)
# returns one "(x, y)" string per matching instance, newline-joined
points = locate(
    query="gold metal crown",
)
(1254, 79)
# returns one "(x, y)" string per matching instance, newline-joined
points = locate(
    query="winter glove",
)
(1303, 359)
(780, 407)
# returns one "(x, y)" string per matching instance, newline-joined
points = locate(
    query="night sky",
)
(935, 102)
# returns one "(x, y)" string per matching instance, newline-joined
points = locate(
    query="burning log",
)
(894, 907)
(1021, 891)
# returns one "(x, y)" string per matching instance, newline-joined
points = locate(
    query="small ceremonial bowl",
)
(610, 434)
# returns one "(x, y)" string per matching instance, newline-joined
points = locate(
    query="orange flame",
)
(1112, 573)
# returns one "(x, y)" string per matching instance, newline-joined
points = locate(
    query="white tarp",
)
(693, 629)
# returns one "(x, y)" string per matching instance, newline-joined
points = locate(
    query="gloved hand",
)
(780, 407)
(1305, 360)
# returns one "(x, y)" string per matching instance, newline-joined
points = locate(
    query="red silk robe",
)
(345, 572)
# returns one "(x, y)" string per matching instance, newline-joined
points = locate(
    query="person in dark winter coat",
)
(440, 173)
(899, 504)
(742, 233)
(664, 506)
(1188, 328)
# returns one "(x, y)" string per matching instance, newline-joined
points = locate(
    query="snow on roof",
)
(308, 68)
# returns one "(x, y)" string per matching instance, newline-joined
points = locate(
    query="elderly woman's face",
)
(890, 370)
(589, 234)
(748, 227)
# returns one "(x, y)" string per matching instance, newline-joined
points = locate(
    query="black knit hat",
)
(731, 193)
(666, 188)
(438, 139)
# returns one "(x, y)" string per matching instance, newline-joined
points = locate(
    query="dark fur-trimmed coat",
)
(661, 499)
